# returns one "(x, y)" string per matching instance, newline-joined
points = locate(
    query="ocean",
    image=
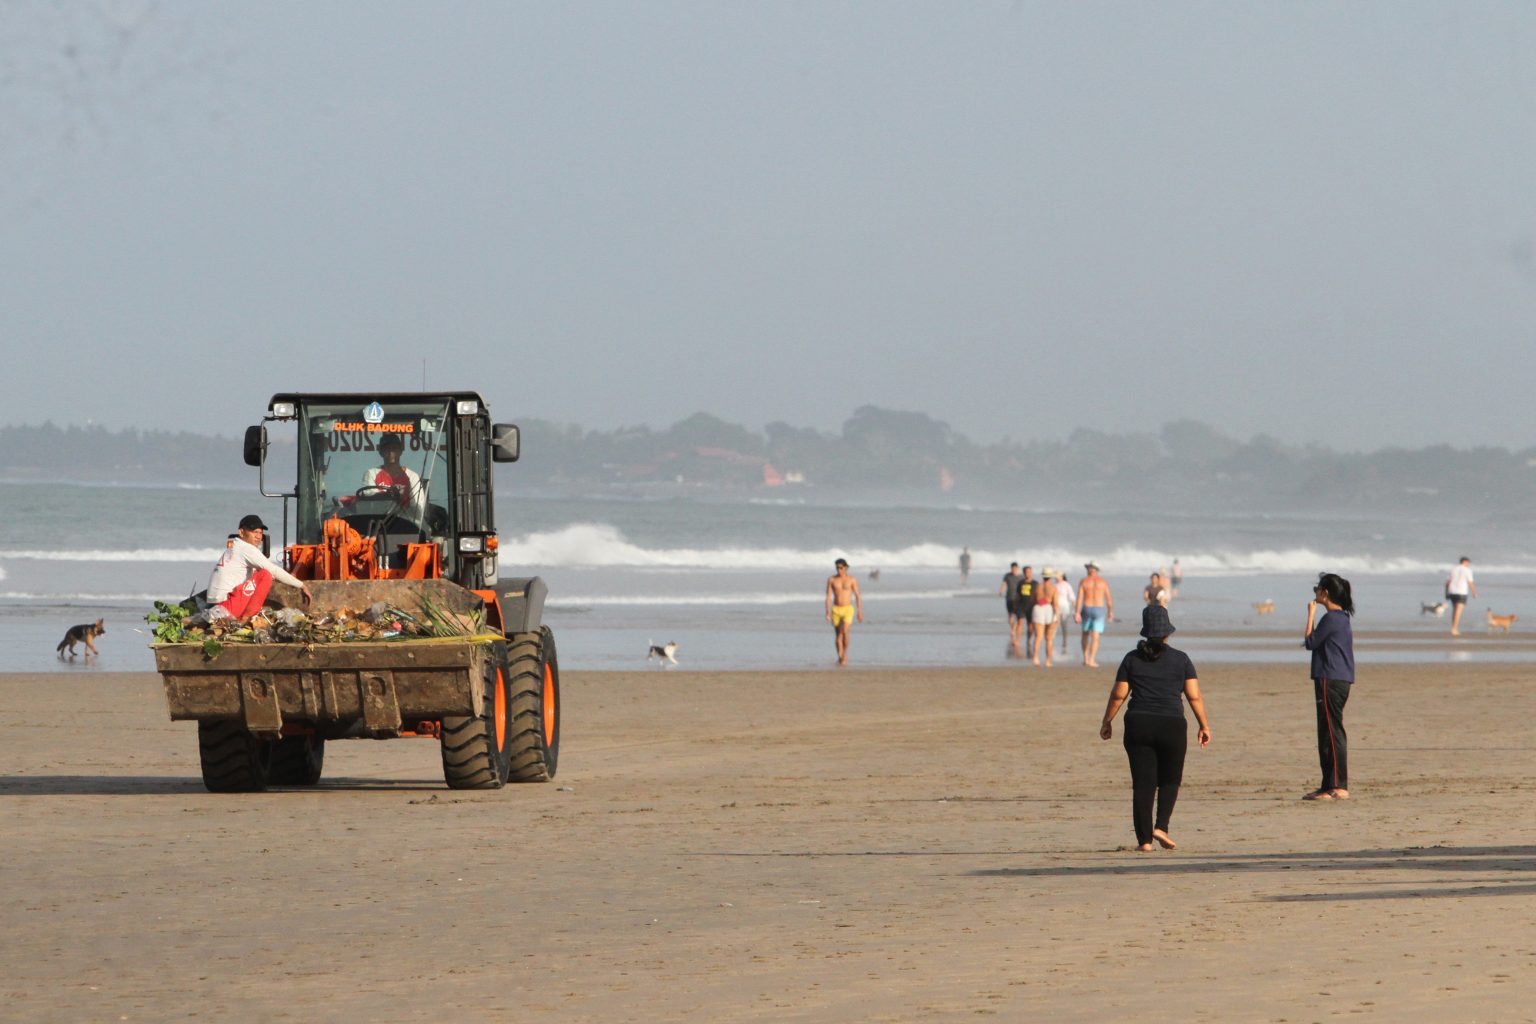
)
(740, 584)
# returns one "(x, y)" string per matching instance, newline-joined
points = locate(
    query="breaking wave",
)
(207, 555)
(18, 595)
(813, 598)
(601, 545)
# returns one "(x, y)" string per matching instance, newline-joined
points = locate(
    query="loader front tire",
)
(233, 760)
(534, 679)
(296, 761)
(476, 752)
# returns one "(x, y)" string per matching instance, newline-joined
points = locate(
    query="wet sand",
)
(814, 846)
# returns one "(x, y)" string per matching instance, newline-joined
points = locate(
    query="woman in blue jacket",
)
(1332, 643)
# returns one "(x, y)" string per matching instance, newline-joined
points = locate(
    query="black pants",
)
(1332, 742)
(1155, 745)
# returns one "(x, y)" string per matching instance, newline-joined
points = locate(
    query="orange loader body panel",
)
(348, 555)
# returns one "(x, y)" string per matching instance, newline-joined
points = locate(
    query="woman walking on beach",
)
(1158, 679)
(1332, 643)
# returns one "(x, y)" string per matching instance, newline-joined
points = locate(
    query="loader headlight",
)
(283, 410)
(467, 407)
(478, 544)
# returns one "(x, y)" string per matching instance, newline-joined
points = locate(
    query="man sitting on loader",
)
(240, 582)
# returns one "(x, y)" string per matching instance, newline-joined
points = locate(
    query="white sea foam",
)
(603, 545)
(207, 555)
(814, 598)
(19, 595)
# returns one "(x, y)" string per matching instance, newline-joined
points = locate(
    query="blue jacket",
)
(1332, 643)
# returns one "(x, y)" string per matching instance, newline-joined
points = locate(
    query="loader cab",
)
(411, 473)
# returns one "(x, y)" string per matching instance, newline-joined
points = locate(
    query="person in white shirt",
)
(403, 480)
(240, 582)
(1066, 597)
(1457, 589)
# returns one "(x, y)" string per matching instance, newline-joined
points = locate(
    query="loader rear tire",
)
(534, 728)
(296, 761)
(234, 761)
(476, 752)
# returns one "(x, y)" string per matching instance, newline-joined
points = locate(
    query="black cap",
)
(252, 522)
(1154, 622)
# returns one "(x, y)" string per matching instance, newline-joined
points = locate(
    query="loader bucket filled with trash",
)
(338, 612)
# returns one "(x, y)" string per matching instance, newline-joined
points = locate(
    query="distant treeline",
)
(892, 455)
(96, 454)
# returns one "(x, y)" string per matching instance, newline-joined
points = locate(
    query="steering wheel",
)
(376, 490)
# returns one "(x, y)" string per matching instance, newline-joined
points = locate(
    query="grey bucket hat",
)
(1155, 623)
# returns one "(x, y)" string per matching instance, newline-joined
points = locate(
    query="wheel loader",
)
(391, 511)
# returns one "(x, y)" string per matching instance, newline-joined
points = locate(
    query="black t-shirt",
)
(1025, 595)
(1157, 687)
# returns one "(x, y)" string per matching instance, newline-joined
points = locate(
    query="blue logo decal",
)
(374, 413)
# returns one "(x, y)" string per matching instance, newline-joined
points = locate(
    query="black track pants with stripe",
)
(1332, 741)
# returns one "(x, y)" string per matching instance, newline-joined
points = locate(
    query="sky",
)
(1312, 221)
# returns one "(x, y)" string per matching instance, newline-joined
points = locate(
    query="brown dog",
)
(84, 633)
(1265, 607)
(1500, 621)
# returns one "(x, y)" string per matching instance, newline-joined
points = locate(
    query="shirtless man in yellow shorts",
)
(842, 601)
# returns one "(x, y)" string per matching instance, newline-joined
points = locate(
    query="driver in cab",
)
(404, 481)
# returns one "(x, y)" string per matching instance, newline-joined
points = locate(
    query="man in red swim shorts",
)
(240, 582)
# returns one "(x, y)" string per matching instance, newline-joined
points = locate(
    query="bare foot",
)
(1319, 794)
(1339, 794)
(1144, 848)
(1164, 839)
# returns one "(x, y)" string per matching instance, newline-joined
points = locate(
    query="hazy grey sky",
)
(1316, 221)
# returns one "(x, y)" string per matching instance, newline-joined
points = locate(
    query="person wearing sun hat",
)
(1157, 679)
(1042, 617)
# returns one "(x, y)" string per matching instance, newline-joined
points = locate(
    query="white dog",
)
(663, 653)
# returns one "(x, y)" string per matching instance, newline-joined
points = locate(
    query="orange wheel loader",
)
(391, 511)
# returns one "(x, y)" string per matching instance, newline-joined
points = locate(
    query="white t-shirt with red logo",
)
(240, 562)
(403, 479)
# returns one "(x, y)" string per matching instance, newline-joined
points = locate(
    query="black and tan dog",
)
(83, 633)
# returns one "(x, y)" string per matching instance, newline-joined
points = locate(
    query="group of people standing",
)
(1154, 680)
(1038, 608)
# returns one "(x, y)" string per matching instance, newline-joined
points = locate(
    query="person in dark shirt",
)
(1023, 605)
(1332, 643)
(1009, 590)
(1158, 679)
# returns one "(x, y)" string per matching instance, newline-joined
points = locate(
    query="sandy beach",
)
(813, 846)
